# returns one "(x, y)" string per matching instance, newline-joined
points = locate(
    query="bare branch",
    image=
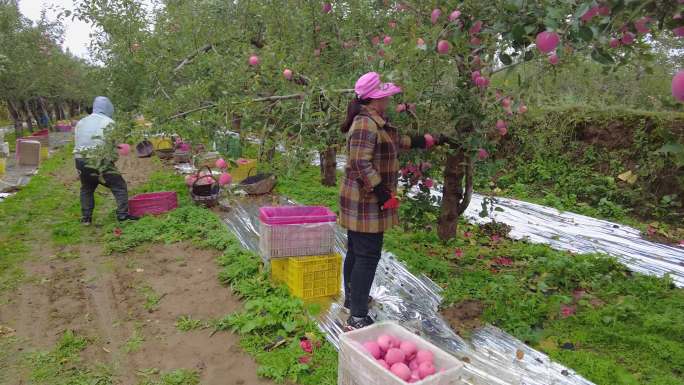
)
(189, 59)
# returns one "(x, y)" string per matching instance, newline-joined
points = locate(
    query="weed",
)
(152, 298)
(135, 342)
(63, 364)
(186, 323)
(176, 377)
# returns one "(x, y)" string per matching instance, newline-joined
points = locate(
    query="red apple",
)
(434, 16)
(254, 60)
(547, 41)
(443, 47)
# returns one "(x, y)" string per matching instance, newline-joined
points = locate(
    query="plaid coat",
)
(372, 150)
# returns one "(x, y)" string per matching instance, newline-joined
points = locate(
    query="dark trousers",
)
(363, 254)
(90, 179)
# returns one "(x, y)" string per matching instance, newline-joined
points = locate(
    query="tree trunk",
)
(59, 111)
(457, 173)
(43, 109)
(328, 160)
(35, 111)
(72, 109)
(27, 113)
(16, 117)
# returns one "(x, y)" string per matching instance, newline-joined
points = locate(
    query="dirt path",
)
(127, 306)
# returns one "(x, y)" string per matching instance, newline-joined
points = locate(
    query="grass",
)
(304, 186)
(134, 343)
(624, 328)
(152, 298)
(45, 204)
(186, 323)
(63, 365)
(175, 377)
(269, 314)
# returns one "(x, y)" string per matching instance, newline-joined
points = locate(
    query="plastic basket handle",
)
(211, 175)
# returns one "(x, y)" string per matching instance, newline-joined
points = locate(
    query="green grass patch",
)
(152, 298)
(588, 312)
(623, 328)
(270, 313)
(63, 365)
(43, 210)
(186, 323)
(175, 377)
(304, 186)
(135, 341)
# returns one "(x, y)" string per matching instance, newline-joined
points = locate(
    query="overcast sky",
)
(77, 33)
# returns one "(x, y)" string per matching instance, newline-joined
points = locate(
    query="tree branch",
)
(189, 59)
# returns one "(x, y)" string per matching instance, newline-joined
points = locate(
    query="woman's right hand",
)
(382, 193)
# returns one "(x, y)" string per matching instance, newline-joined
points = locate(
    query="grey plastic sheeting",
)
(413, 301)
(578, 234)
(17, 176)
(581, 234)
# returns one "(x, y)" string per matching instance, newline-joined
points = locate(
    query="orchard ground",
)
(143, 302)
(70, 312)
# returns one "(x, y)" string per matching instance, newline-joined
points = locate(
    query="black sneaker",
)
(354, 323)
(347, 302)
(128, 217)
(86, 221)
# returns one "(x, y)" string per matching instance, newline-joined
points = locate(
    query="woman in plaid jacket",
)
(368, 206)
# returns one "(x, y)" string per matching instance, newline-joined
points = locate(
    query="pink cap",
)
(369, 86)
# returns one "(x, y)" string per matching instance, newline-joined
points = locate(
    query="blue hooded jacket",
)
(90, 129)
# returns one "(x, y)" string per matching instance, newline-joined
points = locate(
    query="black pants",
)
(90, 179)
(363, 255)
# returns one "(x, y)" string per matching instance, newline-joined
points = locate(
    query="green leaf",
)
(289, 326)
(518, 33)
(586, 33)
(505, 59)
(529, 55)
(550, 23)
(671, 148)
(601, 56)
(582, 9)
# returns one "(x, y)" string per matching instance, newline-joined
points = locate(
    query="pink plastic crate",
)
(295, 215)
(152, 203)
(295, 231)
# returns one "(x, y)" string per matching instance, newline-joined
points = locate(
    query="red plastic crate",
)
(152, 203)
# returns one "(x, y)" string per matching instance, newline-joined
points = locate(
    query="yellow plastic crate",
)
(161, 143)
(242, 171)
(43, 153)
(309, 277)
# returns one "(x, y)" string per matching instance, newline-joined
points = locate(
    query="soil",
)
(465, 316)
(137, 171)
(104, 298)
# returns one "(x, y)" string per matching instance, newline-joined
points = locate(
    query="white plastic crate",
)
(358, 367)
(299, 240)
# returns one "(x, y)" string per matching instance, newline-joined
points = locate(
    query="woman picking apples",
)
(368, 206)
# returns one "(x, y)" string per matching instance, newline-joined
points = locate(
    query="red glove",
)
(392, 203)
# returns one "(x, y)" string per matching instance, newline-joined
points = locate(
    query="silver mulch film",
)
(17, 176)
(413, 301)
(581, 234)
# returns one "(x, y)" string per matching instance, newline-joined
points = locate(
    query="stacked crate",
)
(299, 242)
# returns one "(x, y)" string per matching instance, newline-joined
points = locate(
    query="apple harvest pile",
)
(402, 358)
(286, 70)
